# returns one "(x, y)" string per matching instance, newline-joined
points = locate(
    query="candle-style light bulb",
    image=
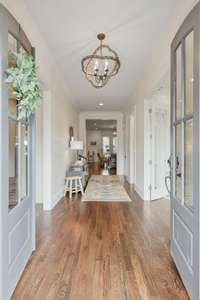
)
(106, 67)
(96, 65)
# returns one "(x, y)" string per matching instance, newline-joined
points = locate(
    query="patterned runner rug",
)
(106, 189)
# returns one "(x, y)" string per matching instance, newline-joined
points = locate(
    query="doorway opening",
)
(101, 145)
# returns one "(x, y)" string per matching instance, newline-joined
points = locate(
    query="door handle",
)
(178, 175)
(167, 179)
(169, 162)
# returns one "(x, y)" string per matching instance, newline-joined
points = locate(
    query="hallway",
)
(89, 251)
(110, 110)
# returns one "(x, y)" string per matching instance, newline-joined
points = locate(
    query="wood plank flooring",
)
(102, 251)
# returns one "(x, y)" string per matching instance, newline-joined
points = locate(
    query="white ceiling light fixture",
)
(101, 104)
(101, 65)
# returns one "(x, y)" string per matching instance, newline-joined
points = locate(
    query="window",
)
(106, 144)
(115, 144)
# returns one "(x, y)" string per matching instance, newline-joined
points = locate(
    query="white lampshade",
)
(76, 145)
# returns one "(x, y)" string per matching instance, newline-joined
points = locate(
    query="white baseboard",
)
(55, 199)
(139, 191)
(129, 180)
(126, 178)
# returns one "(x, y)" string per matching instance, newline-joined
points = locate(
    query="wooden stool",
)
(73, 184)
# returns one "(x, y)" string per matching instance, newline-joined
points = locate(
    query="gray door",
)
(16, 160)
(185, 152)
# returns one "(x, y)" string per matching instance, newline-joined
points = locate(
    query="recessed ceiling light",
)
(101, 104)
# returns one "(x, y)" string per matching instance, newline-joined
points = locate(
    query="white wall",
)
(62, 113)
(63, 116)
(156, 69)
(39, 155)
(136, 109)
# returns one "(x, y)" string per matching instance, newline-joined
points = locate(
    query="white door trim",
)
(132, 147)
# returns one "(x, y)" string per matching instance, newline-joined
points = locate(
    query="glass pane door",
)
(185, 124)
(17, 178)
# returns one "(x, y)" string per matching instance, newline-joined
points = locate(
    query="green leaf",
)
(25, 83)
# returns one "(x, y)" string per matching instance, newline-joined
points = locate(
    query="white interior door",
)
(160, 152)
(185, 53)
(157, 147)
(17, 221)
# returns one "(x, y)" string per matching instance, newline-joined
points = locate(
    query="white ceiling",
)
(133, 29)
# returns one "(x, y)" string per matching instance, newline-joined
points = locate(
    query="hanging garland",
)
(25, 83)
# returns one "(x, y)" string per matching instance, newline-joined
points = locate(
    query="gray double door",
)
(17, 220)
(185, 209)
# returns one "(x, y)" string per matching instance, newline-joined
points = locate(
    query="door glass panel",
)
(13, 164)
(179, 82)
(188, 199)
(12, 43)
(189, 72)
(178, 162)
(23, 160)
(12, 102)
(12, 130)
(23, 50)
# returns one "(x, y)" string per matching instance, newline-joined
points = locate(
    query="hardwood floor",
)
(109, 251)
(95, 169)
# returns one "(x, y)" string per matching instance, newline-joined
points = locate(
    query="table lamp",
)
(76, 145)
